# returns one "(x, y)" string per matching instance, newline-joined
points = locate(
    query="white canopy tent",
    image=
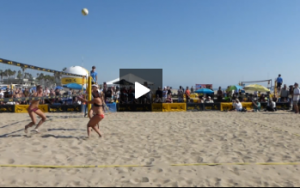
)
(130, 78)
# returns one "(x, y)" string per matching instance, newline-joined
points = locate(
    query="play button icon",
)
(140, 90)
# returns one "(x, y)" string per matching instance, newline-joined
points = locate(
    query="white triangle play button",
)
(140, 90)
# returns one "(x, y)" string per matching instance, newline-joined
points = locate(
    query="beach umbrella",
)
(235, 88)
(73, 86)
(205, 91)
(59, 88)
(256, 87)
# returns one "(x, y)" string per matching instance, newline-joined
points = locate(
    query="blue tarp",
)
(59, 87)
(73, 86)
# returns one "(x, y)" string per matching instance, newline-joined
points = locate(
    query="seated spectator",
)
(158, 100)
(256, 105)
(201, 100)
(76, 101)
(250, 98)
(237, 106)
(262, 98)
(209, 100)
(169, 99)
(271, 106)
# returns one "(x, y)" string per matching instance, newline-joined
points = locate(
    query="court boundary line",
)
(151, 166)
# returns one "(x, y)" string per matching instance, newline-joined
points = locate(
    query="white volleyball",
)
(85, 11)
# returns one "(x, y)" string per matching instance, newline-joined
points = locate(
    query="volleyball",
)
(85, 11)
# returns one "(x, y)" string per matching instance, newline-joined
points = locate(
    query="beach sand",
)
(156, 139)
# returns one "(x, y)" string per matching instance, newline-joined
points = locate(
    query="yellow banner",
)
(24, 108)
(79, 81)
(169, 107)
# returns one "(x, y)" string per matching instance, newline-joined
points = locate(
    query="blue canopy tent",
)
(205, 91)
(73, 86)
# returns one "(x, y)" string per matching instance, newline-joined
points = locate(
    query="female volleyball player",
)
(97, 111)
(34, 109)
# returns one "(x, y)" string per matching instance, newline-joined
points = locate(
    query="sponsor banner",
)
(279, 106)
(24, 108)
(64, 108)
(72, 108)
(56, 108)
(226, 106)
(176, 107)
(7, 108)
(203, 106)
(79, 81)
(201, 86)
(134, 107)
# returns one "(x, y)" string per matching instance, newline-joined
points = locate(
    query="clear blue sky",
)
(194, 41)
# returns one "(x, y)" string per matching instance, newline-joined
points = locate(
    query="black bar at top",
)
(26, 66)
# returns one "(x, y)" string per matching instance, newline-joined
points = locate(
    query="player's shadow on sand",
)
(9, 134)
(64, 117)
(9, 125)
(64, 137)
(62, 129)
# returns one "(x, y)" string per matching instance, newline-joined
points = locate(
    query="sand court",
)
(158, 141)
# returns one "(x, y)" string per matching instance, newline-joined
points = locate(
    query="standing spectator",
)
(26, 92)
(47, 92)
(108, 95)
(284, 94)
(1, 94)
(169, 91)
(165, 94)
(94, 75)
(296, 98)
(180, 95)
(291, 97)
(117, 95)
(255, 94)
(188, 94)
(220, 95)
(192, 90)
(159, 93)
(279, 82)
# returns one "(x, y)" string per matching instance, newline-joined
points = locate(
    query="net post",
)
(89, 91)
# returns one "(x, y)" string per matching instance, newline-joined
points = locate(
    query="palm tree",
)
(20, 75)
(1, 74)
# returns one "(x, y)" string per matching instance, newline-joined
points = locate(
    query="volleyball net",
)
(18, 83)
